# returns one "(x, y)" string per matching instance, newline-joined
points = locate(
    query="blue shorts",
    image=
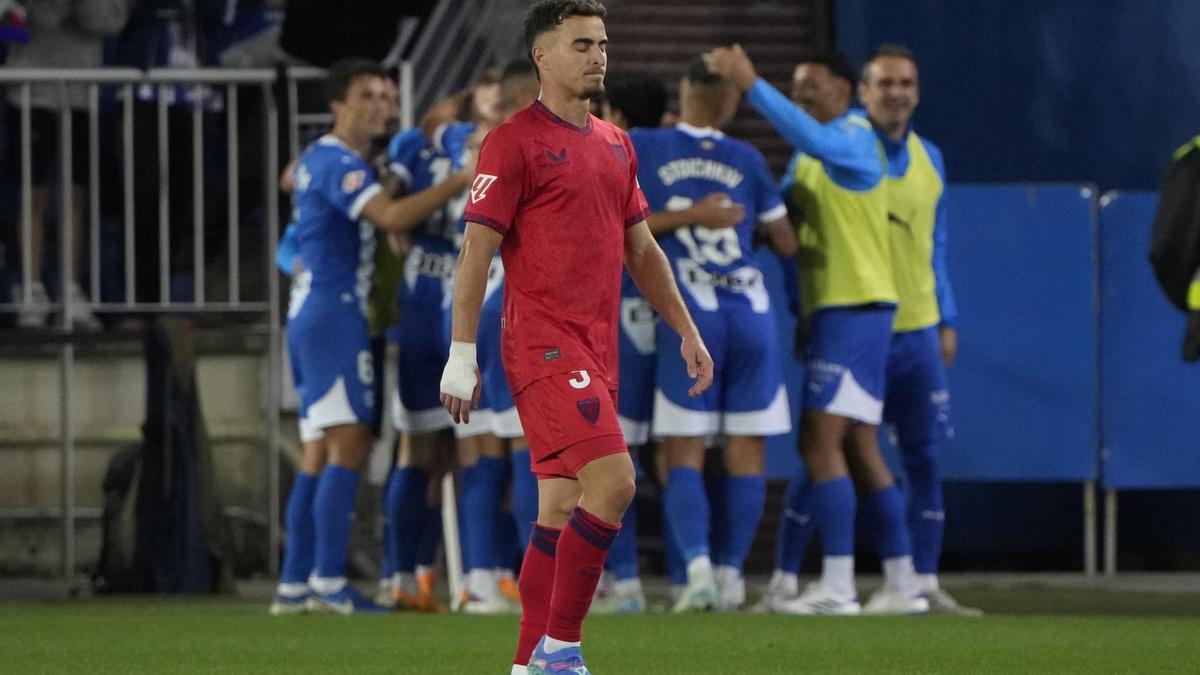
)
(747, 397)
(423, 348)
(333, 369)
(846, 363)
(637, 355)
(506, 423)
(917, 406)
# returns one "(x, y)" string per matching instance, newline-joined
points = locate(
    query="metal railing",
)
(222, 87)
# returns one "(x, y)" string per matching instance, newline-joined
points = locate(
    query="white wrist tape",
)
(458, 379)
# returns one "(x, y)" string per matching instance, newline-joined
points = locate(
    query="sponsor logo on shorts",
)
(551, 355)
(590, 409)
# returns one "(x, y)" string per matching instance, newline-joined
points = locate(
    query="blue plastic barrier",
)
(1023, 393)
(1151, 398)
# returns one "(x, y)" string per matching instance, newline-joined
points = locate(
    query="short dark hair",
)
(837, 63)
(343, 73)
(890, 50)
(517, 68)
(697, 72)
(547, 15)
(641, 97)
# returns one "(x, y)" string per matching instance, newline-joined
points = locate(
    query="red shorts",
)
(569, 419)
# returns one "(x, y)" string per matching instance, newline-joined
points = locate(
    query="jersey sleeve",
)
(452, 139)
(403, 152)
(947, 306)
(499, 183)
(636, 208)
(766, 194)
(348, 184)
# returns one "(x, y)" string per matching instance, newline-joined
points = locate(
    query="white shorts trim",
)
(637, 432)
(773, 420)
(854, 402)
(480, 424)
(332, 409)
(671, 419)
(507, 423)
(309, 433)
(419, 421)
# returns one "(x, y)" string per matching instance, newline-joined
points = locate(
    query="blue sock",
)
(406, 510)
(506, 540)
(481, 504)
(391, 513)
(467, 490)
(676, 565)
(926, 511)
(833, 505)
(885, 513)
(796, 526)
(431, 536)
(298, 554)
(718, 520)
(524, 496)
(333, 514)
(744, 497)
(622, 557)
(686, 506)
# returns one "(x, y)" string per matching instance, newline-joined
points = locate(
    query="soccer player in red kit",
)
(556, 191)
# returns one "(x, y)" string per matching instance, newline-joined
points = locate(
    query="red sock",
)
(537, 583)
(582, 549)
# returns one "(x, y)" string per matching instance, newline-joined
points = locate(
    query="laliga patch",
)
(353, 181)
(480, 187)
(590, 409)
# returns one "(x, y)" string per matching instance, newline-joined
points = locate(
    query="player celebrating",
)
(715, 265)
(925, 340)
(327, 333)
(849, 300)
(556, 191)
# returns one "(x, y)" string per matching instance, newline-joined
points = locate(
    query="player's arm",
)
(841, 145)
(715, 211)
(401, 214)
(651, 271)
(780, 236)
(947, 307)
(460, 379)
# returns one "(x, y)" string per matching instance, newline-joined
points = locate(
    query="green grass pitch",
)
(1027, 630)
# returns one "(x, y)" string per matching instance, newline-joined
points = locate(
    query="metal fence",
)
(208, 99)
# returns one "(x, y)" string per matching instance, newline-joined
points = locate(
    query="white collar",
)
(706, 132)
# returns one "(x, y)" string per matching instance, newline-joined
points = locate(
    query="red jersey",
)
(562, 197)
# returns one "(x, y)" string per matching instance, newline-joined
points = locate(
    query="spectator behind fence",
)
(62, 34)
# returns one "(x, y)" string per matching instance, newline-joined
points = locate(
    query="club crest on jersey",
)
(558, 159)
(590, 409)
(353, 181)
(619, 151)
(480, 187)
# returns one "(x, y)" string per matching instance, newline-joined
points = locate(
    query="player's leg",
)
(557, 498)
(792, 536)
(485, 477)
(755, 405)
(918, 404)
(291, 595)
(883, 509)
(407, 507)
(683, 423)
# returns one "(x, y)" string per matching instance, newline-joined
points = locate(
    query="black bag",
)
(114, 571)
(1175, 240)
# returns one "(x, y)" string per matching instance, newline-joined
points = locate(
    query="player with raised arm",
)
(556, 191)
(338, 201)
(716, 266)
(848, 302)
